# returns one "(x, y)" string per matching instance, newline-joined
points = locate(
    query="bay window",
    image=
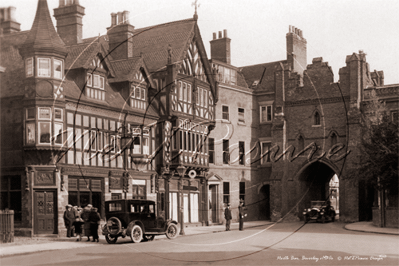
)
(29, 67)
(57, 69)
(43, 66)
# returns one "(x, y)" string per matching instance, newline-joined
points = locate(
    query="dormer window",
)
(95, 87)
(57, 69)
(43, 66)
(29, 67)
(137, 97)
(89, 80)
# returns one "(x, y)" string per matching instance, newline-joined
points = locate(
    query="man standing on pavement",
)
(242, 214)
(227, 216)
(69, 218)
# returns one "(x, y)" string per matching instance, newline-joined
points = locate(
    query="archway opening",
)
(318, 182)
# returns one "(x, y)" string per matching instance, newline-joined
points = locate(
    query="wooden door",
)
(45, 206)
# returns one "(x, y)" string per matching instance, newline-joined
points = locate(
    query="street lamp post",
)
(181, 170)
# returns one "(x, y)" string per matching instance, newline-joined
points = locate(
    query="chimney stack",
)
(8, 22)
(220, 47)
(120, 35)
(296, 50)
(69, 16)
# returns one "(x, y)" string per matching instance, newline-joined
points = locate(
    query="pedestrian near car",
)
(94, 218)
(86, 225)
(78, 224)
(69, 218)
(227, 216)
(242, 215)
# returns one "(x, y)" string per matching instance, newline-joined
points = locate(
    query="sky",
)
(257, 28)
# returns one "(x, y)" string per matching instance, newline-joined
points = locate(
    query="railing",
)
(7, 226)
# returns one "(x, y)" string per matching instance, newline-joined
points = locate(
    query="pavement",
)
(24, 245)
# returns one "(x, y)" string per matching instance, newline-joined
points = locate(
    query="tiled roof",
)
(125, 69)
(42, 36)
(13, 78)
(263, 74)
(153, 42)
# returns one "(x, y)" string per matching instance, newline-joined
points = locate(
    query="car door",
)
(147, 214)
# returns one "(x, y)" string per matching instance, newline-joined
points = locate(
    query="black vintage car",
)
(137, 219)
(320, 211)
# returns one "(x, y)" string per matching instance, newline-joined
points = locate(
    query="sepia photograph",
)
(199, 132)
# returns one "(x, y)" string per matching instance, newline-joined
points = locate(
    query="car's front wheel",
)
(111, 239)
(136, 234)
(172, 231)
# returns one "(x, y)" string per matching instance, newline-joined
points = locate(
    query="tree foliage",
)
(379, 149)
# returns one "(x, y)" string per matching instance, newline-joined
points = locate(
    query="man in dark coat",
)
(242, 214)
(69, 218)
(94, 218)
(227, 216)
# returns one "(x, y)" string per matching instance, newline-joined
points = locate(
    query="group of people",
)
(241, 215)
(82, 220)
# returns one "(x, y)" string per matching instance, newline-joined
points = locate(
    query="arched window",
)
(334, 139)
(301, 143)
(316, 118)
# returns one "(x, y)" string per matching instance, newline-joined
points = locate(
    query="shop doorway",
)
(45, 207)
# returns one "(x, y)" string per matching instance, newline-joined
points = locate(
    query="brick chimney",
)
(220, 47)
(8, 22)
(296, 50)
(69, 16)
(120, 36)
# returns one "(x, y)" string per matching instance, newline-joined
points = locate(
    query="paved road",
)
(282, 244)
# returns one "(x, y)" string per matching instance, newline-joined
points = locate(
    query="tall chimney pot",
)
(214, 36)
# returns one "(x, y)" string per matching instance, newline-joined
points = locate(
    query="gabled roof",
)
(261, 77)
(42, 36)
(153, 42)
(125, 70)
(81, 55)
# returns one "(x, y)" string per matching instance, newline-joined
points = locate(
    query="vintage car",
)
(319, 210)
(137, 219)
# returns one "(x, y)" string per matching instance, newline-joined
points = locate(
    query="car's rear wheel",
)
(323, 219)
(172, 231)
(149, 237)
(111, 239)
(136, 234)
(114, 225)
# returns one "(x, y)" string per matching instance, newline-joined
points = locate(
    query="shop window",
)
(30, 113)
(83, 191)
(225, 112)
(226, 192)
(58, 69)
(43, 66)
(241, 151)
(242, 191)
(29, 67)
(45, 113)
(11, 196)
(266, 113)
